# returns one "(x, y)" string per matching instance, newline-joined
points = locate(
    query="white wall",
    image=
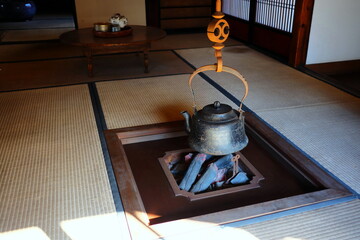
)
(335, 31)
(90, 11)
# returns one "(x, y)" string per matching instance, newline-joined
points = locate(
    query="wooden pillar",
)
(152, 13)
(252, 16)
(301, 32)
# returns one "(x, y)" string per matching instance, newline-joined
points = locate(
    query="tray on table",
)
(124, 32)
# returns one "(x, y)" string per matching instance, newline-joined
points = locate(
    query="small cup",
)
(115, 28)
(102, 27)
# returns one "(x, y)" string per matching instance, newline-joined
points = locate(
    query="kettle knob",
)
(217, 104)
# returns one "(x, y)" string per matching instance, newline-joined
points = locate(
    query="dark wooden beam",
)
(301, 32)
(152, 13)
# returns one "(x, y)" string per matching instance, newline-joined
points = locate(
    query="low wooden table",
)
(138, 41)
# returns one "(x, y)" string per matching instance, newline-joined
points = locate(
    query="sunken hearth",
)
(214, 177)
(281, 178)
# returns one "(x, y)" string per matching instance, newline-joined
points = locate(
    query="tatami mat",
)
(51, 50)
(37, 51)
(35, 74)
(152, 100)
(329, 133)
(271, 83)
(33, 34)
(180, 41)
(41, 21)
(53, 180)
(335, 222)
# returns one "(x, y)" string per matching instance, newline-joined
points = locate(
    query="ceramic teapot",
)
(118, 19)
(217, 129)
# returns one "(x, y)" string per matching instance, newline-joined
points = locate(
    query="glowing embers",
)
(199, 176)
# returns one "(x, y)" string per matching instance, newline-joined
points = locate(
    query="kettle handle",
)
(224, 69)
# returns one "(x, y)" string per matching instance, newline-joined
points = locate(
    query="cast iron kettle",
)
(217, 129)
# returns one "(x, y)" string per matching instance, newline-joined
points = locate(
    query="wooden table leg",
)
(88, 54)
(146, 60)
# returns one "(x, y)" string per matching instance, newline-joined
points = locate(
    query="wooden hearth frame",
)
(135, 212)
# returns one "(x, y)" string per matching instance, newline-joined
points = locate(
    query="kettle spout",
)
(187, 117)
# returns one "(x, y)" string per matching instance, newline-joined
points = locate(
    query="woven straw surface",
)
(181, 41)
(52, 167)
(335, 222)
(329, 133)
(272, 85)
(53, 50)
(153, 100)
(34, 35)
(37, 51)
(35, 74)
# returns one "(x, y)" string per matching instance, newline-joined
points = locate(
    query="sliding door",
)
(267, 24)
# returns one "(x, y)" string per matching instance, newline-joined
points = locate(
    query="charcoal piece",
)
(239, 178)
(215, 172)
(224, 162)
(188, 157)
(180, 166)
(206, 179)
(193, 171)
(171, 160)
(219, 184)
(221, 175)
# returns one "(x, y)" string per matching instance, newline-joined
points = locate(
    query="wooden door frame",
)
(295, 42)
(301, 32)
(299, 38)
(152, 13)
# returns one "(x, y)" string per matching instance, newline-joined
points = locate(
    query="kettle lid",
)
(217, 112)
